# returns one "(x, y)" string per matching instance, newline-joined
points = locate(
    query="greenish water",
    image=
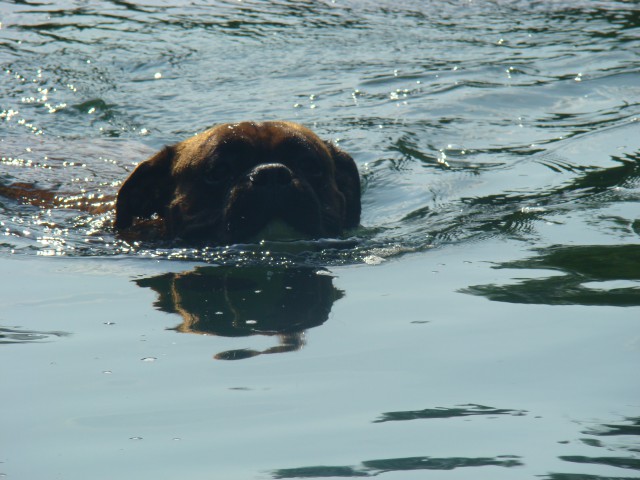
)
(483, 321)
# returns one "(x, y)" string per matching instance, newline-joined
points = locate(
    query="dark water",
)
(493, 283)
(468, 119)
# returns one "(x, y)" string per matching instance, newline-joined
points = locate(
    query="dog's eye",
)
(310, 168)
(218, 173)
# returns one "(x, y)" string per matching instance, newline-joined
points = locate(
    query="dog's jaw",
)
(249, 211)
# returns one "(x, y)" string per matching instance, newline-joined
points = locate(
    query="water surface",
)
(482, 322)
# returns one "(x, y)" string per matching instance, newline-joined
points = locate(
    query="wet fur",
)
(228, 183)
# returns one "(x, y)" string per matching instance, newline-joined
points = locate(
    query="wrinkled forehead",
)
(255, 142)
(266, 135)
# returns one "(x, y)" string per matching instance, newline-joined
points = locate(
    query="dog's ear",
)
(147, 190)
(348, 181)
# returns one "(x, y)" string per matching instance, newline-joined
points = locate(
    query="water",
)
(482, 322)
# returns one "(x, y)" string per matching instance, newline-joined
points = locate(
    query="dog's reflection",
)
(242, 301)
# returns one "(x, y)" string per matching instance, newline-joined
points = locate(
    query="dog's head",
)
(229, 183)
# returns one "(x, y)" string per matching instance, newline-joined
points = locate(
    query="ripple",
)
(371, 468)
(10, 335)
(471, 121)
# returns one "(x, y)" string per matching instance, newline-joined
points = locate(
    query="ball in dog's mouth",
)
(277, 230)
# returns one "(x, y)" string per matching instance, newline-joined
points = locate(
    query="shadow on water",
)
(632, 427)
(370, 468)
(581, 476)
(237, 302)
(441, 412)
(626, 434)
(603, 275)
(620, 462)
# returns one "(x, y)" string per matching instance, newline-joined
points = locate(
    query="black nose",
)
(271, 175)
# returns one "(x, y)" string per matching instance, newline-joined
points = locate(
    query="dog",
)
(234, 182)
